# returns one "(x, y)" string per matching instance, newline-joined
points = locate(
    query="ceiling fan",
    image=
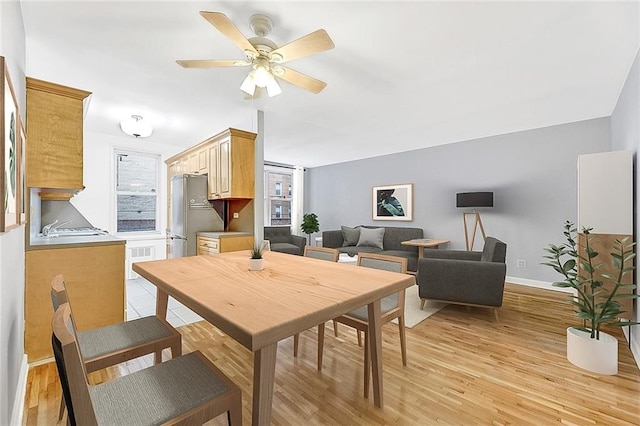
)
(264, 56)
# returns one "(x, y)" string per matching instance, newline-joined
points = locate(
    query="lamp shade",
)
(136, 126)
(474, 199)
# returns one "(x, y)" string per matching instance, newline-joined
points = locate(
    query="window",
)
(136, 176)
(277, 204)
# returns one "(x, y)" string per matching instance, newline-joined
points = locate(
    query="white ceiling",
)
(402, 76)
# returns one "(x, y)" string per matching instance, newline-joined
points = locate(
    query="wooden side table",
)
(421, 243)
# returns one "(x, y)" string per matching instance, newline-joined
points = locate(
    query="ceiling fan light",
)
(261, 76)
(273, 88)
(248, 86)
(136, 126)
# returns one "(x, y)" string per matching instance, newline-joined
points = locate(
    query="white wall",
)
(13, 366)
(625, 135)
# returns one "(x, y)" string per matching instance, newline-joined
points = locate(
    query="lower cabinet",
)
(207, 245)
(94, 278)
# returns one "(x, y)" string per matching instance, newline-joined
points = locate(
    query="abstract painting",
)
(393, 202)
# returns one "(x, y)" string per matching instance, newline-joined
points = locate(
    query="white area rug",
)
(412, 313)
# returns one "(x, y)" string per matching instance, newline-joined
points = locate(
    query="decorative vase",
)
(256, 264)
(597, 356)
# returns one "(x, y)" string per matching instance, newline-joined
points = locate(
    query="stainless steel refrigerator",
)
(191, 212)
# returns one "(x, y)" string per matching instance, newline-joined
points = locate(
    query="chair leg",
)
(158, 357)
(234, 415)
(296, 340)
(403, 340)
(359, 338)
(495, 312)
(367, 363)
(335, 327)
(62, 407)
(320, 345)
(422, 303)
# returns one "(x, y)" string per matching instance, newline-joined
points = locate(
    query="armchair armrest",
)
(299, 241)
(332, 239)
(452, 254)
(462, 281)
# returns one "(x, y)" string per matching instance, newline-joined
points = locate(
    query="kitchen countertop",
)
(223, 234)
(40, 243)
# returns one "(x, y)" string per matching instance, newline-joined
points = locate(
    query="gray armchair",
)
(281, 240)
(464, 277)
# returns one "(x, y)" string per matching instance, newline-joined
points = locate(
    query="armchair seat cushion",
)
(285, 248)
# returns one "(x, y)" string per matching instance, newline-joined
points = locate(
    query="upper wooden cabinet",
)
(54, 127)
(229, 160)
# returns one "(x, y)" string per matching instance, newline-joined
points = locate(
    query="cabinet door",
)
(192, 163)
(214, 164)
(203, 161)
(225, 168)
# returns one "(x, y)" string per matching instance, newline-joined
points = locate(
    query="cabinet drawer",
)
(208, 245)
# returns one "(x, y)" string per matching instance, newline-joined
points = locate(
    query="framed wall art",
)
(393, 202)
(9, 146)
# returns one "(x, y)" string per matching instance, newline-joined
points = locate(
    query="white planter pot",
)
(256, 264)
(597, 356)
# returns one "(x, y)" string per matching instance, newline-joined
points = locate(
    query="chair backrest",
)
(64, 330)
(382, 261)
(324, 253)
(494, 251)
(58, 292)
(277, 234)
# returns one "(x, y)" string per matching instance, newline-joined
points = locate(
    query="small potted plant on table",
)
(256, 261)
(596, 298)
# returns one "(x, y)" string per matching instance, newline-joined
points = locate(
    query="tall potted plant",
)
(310, 224)
(596, 298)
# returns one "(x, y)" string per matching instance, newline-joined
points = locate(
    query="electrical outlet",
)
(521, 263)
(236, 215)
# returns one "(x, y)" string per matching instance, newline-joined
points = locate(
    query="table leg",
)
(420, 252)
(375, 344)
(162, 300)
(264, 371)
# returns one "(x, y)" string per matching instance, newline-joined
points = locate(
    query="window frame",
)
(158, 193)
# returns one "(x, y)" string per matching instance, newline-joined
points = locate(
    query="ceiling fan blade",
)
(309, 83)
(317, 41)
(210, 63)
(226, 27)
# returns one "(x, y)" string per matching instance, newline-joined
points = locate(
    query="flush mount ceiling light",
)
(136, 126)
(264, 56)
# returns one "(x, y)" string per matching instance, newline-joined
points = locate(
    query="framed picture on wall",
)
(22, 186)
(393, 202)
(9, 146)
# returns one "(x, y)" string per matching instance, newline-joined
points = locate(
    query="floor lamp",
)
(473, 200)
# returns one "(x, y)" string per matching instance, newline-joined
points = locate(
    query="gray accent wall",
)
(532, 174)
(625, 135)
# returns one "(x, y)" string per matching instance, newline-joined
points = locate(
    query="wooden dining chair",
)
(392, 307)
(110, 345)
(187, 389)
(322, 253)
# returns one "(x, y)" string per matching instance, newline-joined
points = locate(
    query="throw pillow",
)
(371, 237)
(350, 236)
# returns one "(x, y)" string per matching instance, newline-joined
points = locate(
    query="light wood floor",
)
(463, 368)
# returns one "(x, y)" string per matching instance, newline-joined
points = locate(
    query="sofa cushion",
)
(285, 248)
(371, 237)
(354, 250)
(350, 236)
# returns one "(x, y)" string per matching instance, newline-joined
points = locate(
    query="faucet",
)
(46, 230)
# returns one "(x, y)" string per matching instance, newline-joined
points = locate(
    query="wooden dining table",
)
(260, 308)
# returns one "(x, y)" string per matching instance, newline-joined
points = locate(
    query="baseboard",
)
(535, 283)
(21, 393)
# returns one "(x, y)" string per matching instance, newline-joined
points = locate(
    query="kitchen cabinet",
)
(94, 277)
(227, 158)
(223, 244)
(232, 165)
(55, 129)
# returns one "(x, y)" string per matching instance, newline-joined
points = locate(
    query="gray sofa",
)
(464, 277)
(281, 240)
(391, 242)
